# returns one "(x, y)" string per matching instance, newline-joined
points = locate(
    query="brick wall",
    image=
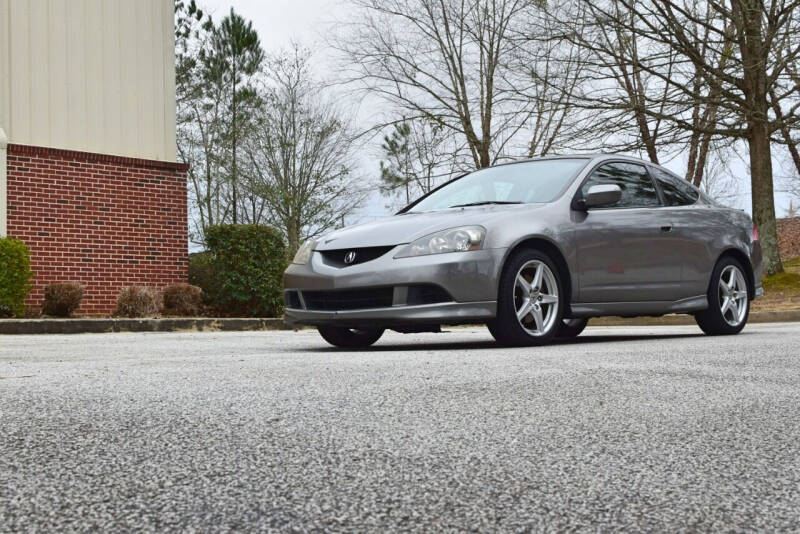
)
(789, 237)
(105, 221)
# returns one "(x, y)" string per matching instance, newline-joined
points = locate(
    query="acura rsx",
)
(532, 249)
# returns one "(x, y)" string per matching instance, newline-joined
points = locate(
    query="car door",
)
(625, 251)
(692, 231)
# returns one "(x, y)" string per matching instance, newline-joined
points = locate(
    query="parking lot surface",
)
(646, 428)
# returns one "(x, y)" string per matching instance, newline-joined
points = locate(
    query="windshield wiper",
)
(485, 203)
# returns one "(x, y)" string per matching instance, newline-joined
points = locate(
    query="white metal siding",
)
(91, 75)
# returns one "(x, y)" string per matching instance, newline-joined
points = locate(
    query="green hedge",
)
(15, 272)
(244, 274)
(201, 274)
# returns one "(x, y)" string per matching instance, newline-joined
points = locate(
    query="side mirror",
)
(602, 195)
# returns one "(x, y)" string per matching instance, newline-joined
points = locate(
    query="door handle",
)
(666, 229)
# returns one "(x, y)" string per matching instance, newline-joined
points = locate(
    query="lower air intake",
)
(349, 299)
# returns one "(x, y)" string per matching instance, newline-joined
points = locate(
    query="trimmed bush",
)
(183, 299)
(15, 272)
(248, 263)
(137, 301)
(60, 300)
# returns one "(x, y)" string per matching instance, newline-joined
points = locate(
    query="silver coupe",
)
(533, 249)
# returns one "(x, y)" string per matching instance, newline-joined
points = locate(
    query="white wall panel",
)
(4, 81)
(92, 75)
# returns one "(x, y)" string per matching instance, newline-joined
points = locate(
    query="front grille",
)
(349, 299)
(335, 258)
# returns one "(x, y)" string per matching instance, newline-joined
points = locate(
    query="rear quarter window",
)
(677, 192)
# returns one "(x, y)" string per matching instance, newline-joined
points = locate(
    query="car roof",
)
(597, 156)
(591, 156)
(601, 156)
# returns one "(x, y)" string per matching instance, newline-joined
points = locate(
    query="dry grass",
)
(781, 291)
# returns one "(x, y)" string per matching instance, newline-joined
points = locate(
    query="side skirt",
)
(633, 309)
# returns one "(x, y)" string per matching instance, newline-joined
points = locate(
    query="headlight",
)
(452, 240)
(304, 252)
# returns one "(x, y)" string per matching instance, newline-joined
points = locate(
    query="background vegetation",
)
(464, 85)
(243, 270)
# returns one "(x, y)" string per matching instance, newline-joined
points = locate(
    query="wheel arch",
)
(742, 258)
(551, 249)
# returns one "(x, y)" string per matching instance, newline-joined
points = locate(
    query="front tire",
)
(530, 301)
(350, 338)
(570, 328)
(728, 300)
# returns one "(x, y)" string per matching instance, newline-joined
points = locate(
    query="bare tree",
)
(791, 210)
(741, 50)
(719, 181)
(445, 61)
(417, 156)
(547, 72)
(610, 90)
(301, 153)
(785, 137)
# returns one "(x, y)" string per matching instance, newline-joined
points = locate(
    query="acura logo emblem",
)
(350, 257)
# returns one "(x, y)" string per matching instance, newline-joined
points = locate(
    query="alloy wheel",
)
(733, 300)
(536, 298)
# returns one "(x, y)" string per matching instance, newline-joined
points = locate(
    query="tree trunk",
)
(483, 152)
(702, 156)
(233, 162)
(754, 60)
(763, 196)
(292, 237)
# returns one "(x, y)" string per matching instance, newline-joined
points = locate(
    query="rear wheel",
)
(350, 338)
(571, 328)
(728, 300)
(529, 303)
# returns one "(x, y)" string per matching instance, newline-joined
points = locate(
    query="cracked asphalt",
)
(642, 429)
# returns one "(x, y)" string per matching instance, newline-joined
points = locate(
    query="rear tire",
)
(570, 328)
(350, 338)
(727, 294)
(530, 300)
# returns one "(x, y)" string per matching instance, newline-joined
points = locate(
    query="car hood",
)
(400, 229)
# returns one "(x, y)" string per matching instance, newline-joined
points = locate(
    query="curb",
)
(100, 326)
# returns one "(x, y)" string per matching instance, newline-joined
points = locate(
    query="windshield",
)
(517, 183)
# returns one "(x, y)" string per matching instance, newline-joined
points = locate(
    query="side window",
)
(637, 187)
(676, 191)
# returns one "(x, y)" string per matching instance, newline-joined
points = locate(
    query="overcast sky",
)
(279, 22)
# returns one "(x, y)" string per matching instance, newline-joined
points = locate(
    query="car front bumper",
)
(470, 278)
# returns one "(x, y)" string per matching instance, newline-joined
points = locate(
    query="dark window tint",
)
(676, 191)
(637, 187)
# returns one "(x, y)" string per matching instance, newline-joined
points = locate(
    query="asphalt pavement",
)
(637, 429)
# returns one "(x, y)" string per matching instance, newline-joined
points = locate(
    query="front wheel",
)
(570, 328)
(529, 300)
(728, 300)
(350, 338)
